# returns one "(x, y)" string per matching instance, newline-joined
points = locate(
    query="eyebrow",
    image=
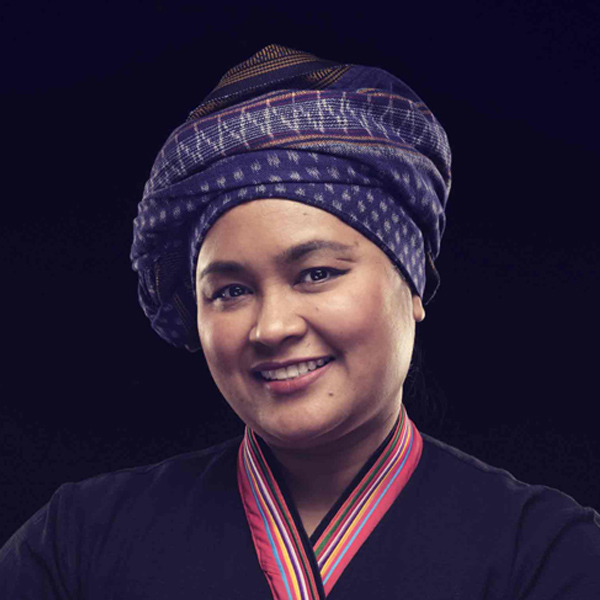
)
(288, 256)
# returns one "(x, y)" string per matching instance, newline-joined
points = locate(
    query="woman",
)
(289, 229)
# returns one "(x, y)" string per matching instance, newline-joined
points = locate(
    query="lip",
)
(291, 386)
(272, 366)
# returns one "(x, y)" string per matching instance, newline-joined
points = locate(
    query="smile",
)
(294, 371)
(301, 382)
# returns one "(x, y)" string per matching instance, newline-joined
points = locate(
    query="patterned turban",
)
(352, 140)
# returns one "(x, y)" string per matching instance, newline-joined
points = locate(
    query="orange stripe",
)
(296, 94)
(281, 547)
(288, 525)
(374, 496)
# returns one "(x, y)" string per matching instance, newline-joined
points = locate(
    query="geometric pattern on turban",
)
(352, 140)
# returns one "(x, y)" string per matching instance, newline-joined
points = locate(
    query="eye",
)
(230, 292)
(319, 274)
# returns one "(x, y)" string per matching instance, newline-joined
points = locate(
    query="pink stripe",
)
(265, 494)
(350, 522)
(366, 496)
(379, 511)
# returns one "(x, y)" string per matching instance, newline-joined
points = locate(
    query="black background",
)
(90, 92)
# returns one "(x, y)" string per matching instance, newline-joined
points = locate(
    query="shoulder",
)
(136, 493)
(87, 527)
(540, 536)
(469, 480)
(458, 469)
(164, 482)
(186, 467)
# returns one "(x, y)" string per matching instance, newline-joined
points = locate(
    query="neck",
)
(317, 477)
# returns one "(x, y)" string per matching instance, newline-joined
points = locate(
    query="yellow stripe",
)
(261, 69)
(350, 532)
(283, 552)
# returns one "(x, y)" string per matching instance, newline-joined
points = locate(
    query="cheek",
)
(371, 329)
(221, 340)
(356, 321)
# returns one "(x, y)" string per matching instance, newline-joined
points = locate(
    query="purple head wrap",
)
(352, 140)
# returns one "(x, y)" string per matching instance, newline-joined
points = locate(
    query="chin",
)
(296, 432)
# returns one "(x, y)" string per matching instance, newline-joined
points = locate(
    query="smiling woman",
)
(313, 295)
(289, 230)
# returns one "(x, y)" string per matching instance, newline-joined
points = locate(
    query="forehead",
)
(283, 232)
(271, 225)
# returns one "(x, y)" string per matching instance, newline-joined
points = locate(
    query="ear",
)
(418, 310)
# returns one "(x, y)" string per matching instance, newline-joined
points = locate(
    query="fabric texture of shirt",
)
(459, 529)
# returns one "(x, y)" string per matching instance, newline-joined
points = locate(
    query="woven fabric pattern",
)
(277, 540)
(365, 149)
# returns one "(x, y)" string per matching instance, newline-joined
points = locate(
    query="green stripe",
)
(354, 497)
(271, 483)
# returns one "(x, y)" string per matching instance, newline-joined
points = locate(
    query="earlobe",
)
(418, 310)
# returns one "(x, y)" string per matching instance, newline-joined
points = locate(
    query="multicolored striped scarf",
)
(294, 570)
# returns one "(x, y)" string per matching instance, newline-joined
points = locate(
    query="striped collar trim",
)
(281, 548)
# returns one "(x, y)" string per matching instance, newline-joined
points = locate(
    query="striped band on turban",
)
(354, 141)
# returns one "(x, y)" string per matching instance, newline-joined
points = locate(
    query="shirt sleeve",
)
(558, 550)
(36, 563)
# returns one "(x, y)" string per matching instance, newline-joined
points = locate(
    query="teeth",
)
(302, 368)
(294, 371)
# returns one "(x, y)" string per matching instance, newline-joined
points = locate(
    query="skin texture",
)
(350, 304)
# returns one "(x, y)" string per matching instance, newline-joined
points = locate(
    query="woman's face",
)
(281, 283)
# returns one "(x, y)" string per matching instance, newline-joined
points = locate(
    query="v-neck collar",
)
(301, 568)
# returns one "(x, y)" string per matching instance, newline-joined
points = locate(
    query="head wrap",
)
(352, 140)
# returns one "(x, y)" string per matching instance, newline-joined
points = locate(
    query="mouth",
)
(293, 371)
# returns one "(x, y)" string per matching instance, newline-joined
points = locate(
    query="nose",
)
(277, 320)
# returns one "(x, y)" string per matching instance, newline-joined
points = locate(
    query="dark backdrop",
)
(510, 343)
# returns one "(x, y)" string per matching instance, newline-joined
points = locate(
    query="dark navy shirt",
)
(460, 529)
